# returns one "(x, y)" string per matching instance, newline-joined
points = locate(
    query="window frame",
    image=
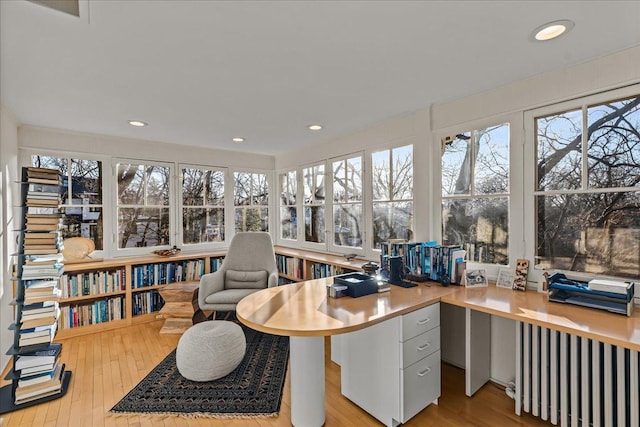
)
(329, 213)
(171, 205)
(232, 205)
(279, 206)
(370, 248)
(180, 209)
(317, 246)
(516, 241)
(530, 192)
(25, 156)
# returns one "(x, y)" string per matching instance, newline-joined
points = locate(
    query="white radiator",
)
(574, 381)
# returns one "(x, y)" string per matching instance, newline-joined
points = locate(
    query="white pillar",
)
(307, 381)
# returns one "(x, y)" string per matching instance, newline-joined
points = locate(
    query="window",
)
(288, 208)
(392, 182)
(143, 206)
(475, 193)
(314, 195)
(202, 205)
(587, 187)
(81, 195)
(251, 201)
(347, 202)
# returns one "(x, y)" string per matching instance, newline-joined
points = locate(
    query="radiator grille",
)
(574, 381)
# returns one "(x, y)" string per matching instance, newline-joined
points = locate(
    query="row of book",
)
(37, 367)
(92, 283)
(101, 311)
(427, 260)
(215, 264)
(163, 273)
(290, 266)
(146, 302)
(319, 270)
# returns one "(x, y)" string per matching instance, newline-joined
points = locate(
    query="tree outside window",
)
(475, 193)
(81, 196)
(251, 201)
(392, 180)
(288, 208)
(202, 205)
(314, 203)
(347, 202)
(143, 205)
(587, 189)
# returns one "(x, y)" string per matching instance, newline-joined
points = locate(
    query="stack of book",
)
(40, 374)
(37, 374)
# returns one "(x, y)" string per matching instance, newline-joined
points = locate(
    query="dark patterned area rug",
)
(253, 389)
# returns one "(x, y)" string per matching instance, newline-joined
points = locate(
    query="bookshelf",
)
(296, 265)
(123, 291)
(37, 375)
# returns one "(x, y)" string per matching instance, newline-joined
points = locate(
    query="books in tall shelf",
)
(92, 312)
(320, 270)
(37, 375)
(290, 266)
(166, 272)
(146, 302)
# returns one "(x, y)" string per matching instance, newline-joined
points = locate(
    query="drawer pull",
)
(425, 372)
(422, 322)
(424, 346)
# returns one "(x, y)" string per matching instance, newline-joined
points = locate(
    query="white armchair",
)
(250, 265)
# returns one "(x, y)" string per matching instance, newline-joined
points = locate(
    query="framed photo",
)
(505, 278)
(475, 278)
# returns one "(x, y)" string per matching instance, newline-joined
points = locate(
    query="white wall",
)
(8, 189)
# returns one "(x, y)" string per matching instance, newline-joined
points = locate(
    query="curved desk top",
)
(303, 309)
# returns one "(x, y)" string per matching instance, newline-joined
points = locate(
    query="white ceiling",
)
(202, 72)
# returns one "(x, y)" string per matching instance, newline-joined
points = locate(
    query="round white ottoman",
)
(210, 350)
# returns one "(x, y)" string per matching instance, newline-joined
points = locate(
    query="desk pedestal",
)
(307, 381)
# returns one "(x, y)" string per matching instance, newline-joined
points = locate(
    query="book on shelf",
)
(37, 391)
(44, 188)
(43, 357)
(43, 218)
(42, 210)
(40, 321)
(42, 196)
(43, 202)
(43, 258)
(38, 378)
(41, 251)
(37, 335)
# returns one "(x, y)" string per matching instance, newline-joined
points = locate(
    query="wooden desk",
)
(303, 312)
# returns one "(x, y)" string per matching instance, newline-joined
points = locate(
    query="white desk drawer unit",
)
(392, 369)
(419, 321)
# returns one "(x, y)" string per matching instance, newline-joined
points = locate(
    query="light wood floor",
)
(107, 365)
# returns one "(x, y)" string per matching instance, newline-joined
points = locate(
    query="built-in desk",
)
(303, 312)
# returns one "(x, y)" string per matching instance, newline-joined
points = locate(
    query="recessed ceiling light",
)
(137, 123)
(314, 127)
(551, 30)
(237, 139)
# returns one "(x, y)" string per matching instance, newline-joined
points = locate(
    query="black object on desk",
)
(357, 284)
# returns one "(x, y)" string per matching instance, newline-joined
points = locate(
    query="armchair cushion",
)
(235, 279)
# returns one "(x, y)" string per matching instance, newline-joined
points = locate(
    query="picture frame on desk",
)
(476, 278)
(505, 278)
